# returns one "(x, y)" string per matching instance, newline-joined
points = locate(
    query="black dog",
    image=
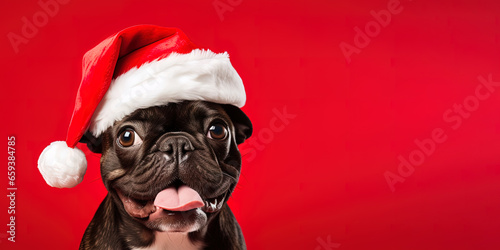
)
(169, 171)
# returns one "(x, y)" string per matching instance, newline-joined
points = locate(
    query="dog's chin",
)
(159, 219)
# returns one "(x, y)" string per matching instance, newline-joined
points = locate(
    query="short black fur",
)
(136, 174)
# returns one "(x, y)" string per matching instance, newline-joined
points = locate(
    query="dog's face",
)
(172, 168)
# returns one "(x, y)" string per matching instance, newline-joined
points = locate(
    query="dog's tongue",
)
(182, 198)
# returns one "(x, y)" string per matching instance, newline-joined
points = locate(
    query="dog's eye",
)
(129, 138)
(217, 132)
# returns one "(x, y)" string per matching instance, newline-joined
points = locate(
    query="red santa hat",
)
(138, 67)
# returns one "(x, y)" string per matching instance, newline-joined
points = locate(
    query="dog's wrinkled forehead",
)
(186, 116)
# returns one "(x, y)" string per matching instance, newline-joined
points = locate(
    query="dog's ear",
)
(93, 143)
(240, 121)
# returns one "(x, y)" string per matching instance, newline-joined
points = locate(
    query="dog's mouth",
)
(172, 201)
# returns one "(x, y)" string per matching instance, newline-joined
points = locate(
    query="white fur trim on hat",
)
(198, 75)
(62, 166)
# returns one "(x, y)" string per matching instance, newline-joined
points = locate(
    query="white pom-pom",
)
(62, 166)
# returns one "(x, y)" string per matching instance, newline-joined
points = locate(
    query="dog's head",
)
(173, 167)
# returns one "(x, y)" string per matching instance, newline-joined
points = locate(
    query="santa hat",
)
(138, 67)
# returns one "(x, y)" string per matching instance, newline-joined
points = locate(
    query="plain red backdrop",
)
(317, 179)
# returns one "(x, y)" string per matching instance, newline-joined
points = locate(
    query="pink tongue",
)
(183, 198)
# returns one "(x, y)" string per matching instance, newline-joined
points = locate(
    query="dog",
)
(169, 171)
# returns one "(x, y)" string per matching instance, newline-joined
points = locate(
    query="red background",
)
(316, 182)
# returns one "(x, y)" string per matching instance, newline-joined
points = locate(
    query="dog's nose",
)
(176, 147)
